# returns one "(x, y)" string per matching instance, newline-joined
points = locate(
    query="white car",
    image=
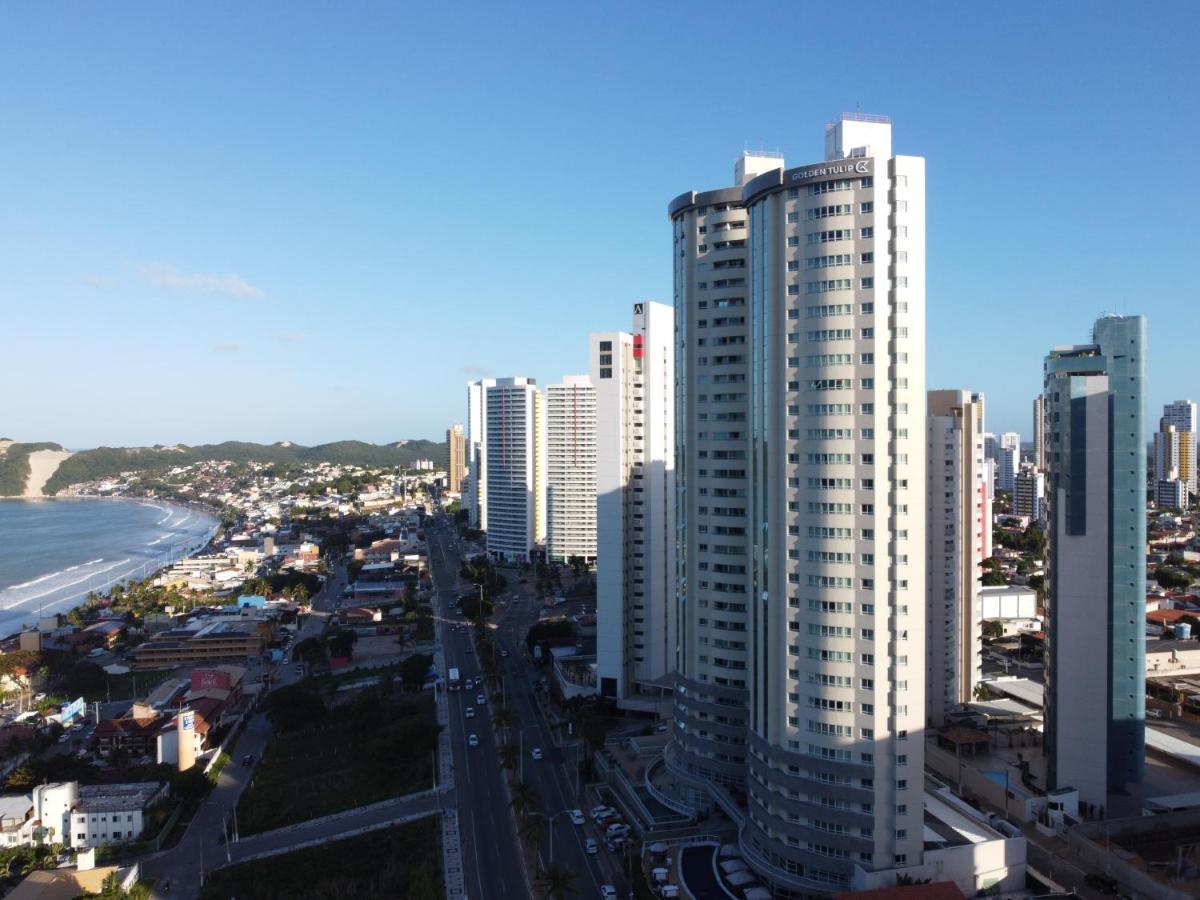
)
(616, 829)
(577, 817)
(472, 740)
(602, 812)
(469, 712)
(536, 753)
(480, 699)
(591, 846)
(608, 892)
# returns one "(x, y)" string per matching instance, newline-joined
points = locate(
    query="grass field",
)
(404, 861)
(369, 750)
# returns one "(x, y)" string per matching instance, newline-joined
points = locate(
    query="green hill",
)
(105, 462)
(14, 467)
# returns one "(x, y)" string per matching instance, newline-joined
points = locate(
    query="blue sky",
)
(312, 222)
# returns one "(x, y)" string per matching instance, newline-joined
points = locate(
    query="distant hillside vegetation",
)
(105, 462)
(14, 467)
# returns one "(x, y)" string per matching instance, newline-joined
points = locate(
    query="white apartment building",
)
(82, 816)
(1181, 414)
(1175, 445)
(959, 519)
(802, 590)
(571, 470)
(513, 490)
(1008, 461)
(1039, 433)
(475, 494)
(635, 592)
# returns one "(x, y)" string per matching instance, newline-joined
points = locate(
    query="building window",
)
(606, 373)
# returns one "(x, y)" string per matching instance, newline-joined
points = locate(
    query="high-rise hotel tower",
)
(800, 309)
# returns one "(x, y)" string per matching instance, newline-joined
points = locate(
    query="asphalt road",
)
(491, 851)
(553, 777)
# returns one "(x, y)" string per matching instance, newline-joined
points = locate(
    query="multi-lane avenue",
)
(491, 853)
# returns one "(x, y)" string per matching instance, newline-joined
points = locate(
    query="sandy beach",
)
(42, 464)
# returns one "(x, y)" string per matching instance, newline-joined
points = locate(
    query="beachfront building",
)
(634, 375)
(801, 477)
(959, 519)
(1095, 659)
(571, 470)
(513, 488)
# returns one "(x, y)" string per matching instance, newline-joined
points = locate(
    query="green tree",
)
(509, 756)
(557, 883)
(413, 669)
(524, 798)
(293, 706)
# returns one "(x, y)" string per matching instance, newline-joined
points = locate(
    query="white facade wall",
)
(475, 497)
(959, 525)
(95, 829)
(1008, 602)
(634, 378)
(1082, 700)
(514, 491)
(571, 470)
(836, 433)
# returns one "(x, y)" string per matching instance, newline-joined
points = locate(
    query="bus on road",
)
(453, 679)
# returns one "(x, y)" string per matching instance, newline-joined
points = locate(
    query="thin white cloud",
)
(230, 347)
(474, 371)
(97, 281)
(169, 278)
(291, 337)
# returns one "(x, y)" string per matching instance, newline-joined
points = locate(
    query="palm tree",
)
(503, 719)
(509, 756)
(531, 832)
(558, 882)
(524, 798)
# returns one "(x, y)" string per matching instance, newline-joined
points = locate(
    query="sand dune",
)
(42, 464)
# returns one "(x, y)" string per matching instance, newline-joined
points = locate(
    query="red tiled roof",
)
(1169, 616)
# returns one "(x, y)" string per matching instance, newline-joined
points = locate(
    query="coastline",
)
(95, 580)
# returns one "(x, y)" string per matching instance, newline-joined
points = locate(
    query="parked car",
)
(591, 846)
(616, 829)
(600, 812)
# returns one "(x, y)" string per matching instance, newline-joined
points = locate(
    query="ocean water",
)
(53, 552)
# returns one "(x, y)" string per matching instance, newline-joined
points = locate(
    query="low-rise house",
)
(133, 734)
(16, 820)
